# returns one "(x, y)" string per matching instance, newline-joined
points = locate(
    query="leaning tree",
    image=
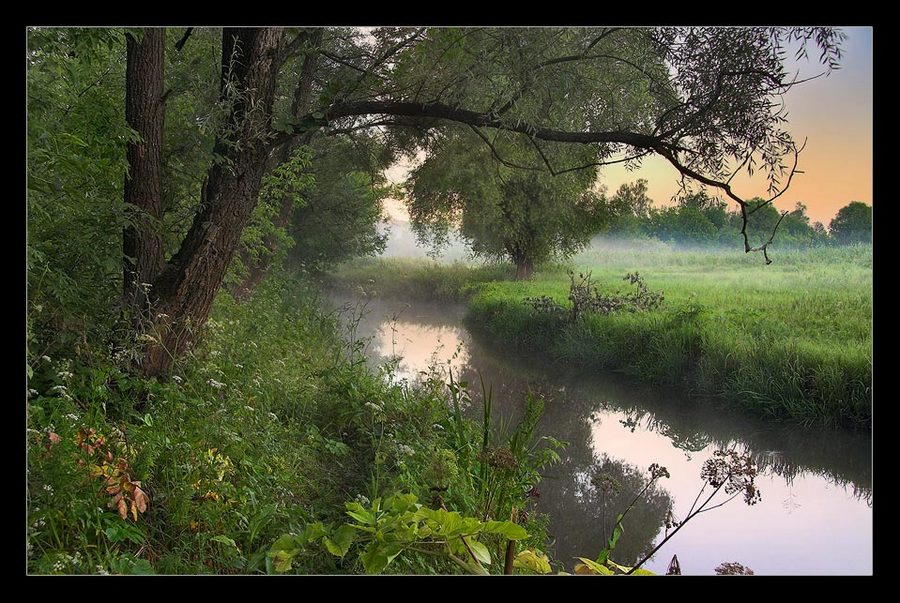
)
(705, 99)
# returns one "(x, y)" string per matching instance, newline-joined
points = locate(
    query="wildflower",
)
(405, 450)
(438, 426)
(72, 416)
(215, 354)
(361, 499)
(32, 392)
(273, 416)
(177, 379)
(375, 408)
(101, 571)
(250, 408)
(48, 488)
(240, 366)
(499, 458)
(64, 375)
(58, 388)
(215, 384)
(45, 358)
(736, 472)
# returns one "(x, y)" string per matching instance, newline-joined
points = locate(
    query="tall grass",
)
(792, 340)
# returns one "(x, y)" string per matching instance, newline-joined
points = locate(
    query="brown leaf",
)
(140, 498)
(123, 508)
(54, 439)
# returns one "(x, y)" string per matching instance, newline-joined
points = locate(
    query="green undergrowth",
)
(270, 424)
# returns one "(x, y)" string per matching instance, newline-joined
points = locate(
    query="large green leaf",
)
(588, 566)
(378, 555)
(480, 551)
(360, 513)
(536, 561)
(505, 528)
(343, 537)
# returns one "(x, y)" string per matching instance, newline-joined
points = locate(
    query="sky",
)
(833, 113)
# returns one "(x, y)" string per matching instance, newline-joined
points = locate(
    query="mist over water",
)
(402, 243)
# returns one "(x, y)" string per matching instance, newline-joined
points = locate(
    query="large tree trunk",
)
(524, 268)
(144, 113)
(300, 105)
(185, 288)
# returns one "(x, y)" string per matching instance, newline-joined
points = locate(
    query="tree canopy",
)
(185, 125)
(853, 223)
(525, 216)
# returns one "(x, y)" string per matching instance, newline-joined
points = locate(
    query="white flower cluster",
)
(405, 450)
(177, 379)
(361, 499)
(376, 408)
(215, 384)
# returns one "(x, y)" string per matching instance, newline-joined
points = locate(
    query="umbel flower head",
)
(736, 472)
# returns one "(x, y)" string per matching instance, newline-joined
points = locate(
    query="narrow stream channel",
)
(815, 516)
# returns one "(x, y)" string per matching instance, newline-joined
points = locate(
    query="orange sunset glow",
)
(833, 113)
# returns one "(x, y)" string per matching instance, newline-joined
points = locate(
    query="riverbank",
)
(272, 424)
(789, 341)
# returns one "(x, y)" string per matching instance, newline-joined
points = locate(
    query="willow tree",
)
(502, 211)
(701, 98)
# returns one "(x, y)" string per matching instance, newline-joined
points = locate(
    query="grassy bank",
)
(415, 279)
(271, 424)
(791, 340)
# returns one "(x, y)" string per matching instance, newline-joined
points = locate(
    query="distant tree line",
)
(700, 219)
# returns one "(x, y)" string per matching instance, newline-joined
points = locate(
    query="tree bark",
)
(142, 244)
(524, 268)
(185, 288)
(300, 105)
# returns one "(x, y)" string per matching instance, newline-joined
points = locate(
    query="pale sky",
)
(834, 113)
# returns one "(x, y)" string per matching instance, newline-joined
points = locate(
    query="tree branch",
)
(184, 38)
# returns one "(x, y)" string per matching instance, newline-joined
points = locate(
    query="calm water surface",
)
(815, 516)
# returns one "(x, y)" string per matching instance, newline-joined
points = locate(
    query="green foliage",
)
(386, 529)
(341, 210)
(76, 139)
(853, 223)
(502, 212)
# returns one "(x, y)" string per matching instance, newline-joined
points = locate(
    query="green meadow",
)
(788, 341)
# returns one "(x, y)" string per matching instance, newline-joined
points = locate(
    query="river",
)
(815, 516)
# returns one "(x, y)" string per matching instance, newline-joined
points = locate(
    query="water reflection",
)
(616, 427)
